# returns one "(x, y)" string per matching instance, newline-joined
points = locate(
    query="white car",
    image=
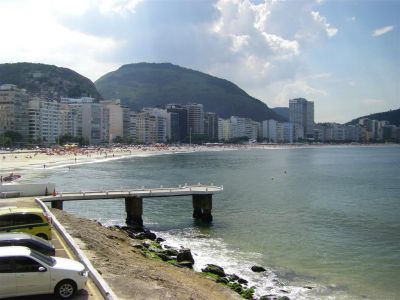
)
(27, 272)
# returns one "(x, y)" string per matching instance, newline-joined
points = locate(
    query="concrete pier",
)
(202, 206)
(201, 199)
(134, 212)
(57, 204)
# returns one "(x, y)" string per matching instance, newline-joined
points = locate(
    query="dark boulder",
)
(160, 240)
(242, 281)
(184, 255)
(257, 269)
(233, 277)
(171, 252)
(185, 264)
(214, 269)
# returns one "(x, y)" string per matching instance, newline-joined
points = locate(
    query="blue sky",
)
(344, 55)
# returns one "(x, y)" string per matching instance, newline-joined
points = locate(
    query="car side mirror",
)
(42, 269)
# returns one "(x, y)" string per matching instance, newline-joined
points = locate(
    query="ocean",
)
(323, 221)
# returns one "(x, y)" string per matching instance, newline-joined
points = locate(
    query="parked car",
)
(27, 240)
(24, 272)
(28, 220)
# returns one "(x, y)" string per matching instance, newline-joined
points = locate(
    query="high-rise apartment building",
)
(211, 125)
(14, 114)
(195, 118)
(112, 120)
(301, 112)
(44, 121)
(179, 122)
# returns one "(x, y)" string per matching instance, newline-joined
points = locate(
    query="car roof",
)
(14, 235)
(8, 210)
(14, 251)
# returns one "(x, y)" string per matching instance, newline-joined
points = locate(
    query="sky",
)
(342, 54)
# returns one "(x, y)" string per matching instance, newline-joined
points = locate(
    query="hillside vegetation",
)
(47, 80)
(149, 84)
(393, 116)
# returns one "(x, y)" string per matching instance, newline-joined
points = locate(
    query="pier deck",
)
(201, 199)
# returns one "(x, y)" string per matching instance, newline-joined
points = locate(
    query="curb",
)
(98, 280)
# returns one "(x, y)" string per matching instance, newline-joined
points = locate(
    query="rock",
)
(283, 298)
(160, 240)
(171, 252)
(257, 269)
(214, 269)
(184, 255)
(164, 257)
(242, 281)
(146, 245)
(223, 280)
(284, 291)
(233, 277)
(143, 235)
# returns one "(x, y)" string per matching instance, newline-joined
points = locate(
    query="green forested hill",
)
(47, 79)
(150, 84)
(393, 116)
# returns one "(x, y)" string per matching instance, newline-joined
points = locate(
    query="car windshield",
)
(48, 260)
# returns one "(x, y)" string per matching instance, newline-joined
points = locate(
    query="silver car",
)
(27, 272)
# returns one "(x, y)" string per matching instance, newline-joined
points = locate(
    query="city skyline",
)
(344, 56)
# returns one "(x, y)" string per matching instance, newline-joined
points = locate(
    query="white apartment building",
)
(44, 121)
(163, 123)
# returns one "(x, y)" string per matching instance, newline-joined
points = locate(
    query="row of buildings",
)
(40, 120)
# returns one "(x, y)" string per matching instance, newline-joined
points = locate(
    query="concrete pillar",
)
(206, 205)
(202, 205)
(57, 204)
(196, 201)
(134, 212)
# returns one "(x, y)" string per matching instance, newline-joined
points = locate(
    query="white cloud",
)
(381, 31)
(37, 36)
(330, 31)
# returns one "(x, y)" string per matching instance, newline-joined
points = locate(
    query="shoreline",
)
(49, 159)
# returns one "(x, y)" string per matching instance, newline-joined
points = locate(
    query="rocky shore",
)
(140, 265)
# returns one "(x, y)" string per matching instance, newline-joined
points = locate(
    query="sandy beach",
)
(20, 161)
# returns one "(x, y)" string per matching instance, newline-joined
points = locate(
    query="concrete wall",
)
(24, 190)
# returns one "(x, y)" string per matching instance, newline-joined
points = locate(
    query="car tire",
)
(65, 289)
(43, 236)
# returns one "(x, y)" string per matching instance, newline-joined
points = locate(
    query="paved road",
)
(62, 250)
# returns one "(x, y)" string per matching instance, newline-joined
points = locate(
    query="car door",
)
(8, 282)
(31, 276)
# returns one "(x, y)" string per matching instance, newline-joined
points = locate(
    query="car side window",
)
(6, 265)
(5, 243)
(20, 219)
(26, 264)
(6, 220)
(33, 219)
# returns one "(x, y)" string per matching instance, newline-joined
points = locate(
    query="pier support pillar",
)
(134, 212)
(202, 205)
(196, 200)
(57, 204)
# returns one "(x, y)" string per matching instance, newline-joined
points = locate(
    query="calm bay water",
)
(324, 217)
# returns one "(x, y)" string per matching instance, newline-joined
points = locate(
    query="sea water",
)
(325, 218)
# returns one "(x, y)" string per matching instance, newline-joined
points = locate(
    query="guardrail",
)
(98, 280)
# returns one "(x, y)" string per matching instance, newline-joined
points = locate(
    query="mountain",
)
(48, 80)
(282, 111)
(150, 84)
(393, 116)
